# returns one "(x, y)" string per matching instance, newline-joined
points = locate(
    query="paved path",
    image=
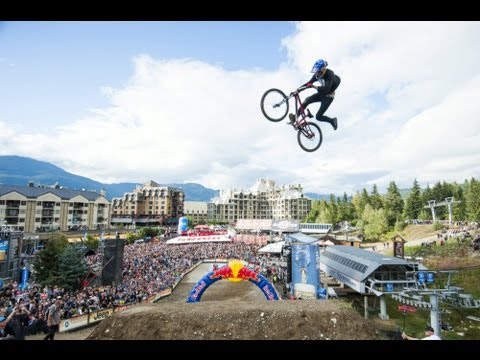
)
(380, 247)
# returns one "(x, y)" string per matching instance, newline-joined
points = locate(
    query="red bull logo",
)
(225, 272)
(246, 273)
(235, 271)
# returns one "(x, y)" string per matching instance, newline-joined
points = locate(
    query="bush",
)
(437, 226)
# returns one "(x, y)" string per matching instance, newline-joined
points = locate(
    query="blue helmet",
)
(319, 65)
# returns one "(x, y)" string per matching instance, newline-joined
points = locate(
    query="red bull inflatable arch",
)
(234, 271)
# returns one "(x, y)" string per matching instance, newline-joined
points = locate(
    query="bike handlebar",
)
(300, 89)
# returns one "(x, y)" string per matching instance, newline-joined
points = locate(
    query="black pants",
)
(326, 101)
(51, 332)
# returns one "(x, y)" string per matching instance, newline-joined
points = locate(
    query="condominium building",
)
(196, 211)
(37, 209)
(148, 204)
(264, 200)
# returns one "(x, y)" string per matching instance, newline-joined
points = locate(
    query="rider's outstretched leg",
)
(326, 101)
(310, 99)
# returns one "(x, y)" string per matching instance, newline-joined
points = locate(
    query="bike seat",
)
(308, 113)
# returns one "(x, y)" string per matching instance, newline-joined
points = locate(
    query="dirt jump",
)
(234, 311)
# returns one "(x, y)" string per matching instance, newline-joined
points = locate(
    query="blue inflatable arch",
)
(225, 272)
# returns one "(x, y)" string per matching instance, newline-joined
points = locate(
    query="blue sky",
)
(179, 101)
(58, 68)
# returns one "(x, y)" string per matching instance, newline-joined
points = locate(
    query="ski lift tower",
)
(431, 205)
(449, 201)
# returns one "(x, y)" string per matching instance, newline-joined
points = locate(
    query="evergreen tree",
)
(460, 209)
(324, 213)
(414, 203)
(314, 211)
(427, 195)
(333, 209)
(46, 264)
(72, 267)
(360, 201)
(346, 209)
(376, 198)
(473, 200)
(393, 204)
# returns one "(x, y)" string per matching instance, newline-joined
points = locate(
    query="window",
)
(23, 203)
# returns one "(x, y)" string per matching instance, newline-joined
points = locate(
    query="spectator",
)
(53, 319)
(429, 335)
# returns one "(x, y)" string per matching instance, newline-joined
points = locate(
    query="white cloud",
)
(407, 108)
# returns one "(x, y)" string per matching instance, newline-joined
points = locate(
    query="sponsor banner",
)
(73, 323)
(286, 225)
(99, 315)
(199, 239)
(121, 308)
(304, 265)
(4, 245)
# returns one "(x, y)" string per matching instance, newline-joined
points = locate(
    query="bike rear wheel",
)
(309, 137)
(274, 105)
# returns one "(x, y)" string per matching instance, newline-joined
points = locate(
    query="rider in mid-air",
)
(329, 82)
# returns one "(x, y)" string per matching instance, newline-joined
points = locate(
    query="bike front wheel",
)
(309, 137)
(274, 105)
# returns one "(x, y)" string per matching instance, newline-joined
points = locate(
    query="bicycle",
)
(275, 105)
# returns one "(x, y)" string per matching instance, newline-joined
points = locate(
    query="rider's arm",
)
(311, 81)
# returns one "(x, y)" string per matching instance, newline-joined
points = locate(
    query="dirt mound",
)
(242, 320)
(233, 311)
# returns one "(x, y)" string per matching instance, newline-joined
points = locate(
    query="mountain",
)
(19, 170)
(315, 196)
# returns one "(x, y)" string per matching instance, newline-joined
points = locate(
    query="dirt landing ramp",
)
(238, 320)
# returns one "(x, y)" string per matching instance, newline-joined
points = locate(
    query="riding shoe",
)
(334, 123)
(292, 119)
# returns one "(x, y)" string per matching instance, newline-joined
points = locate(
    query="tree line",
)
(375, 214)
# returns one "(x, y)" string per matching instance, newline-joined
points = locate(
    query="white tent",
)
(275, 247)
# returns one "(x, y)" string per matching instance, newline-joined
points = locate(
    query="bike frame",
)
(300, 121)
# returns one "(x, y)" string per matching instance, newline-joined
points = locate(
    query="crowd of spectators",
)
(148, 268)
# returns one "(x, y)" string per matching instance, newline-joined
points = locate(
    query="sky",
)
(179, 102)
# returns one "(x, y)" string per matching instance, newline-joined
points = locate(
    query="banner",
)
(4, 245)
(25, 274)
(73, 323)
(304, 270)
(285, 225)
(99, 315)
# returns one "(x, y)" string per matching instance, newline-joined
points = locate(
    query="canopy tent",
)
(275, 248)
